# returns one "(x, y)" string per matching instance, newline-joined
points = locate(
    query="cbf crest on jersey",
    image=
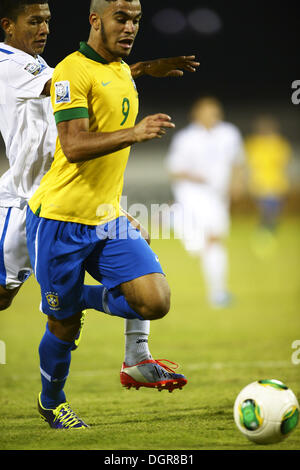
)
(62, 92)
(53, 300)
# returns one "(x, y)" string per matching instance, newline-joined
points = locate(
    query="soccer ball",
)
(266, 411)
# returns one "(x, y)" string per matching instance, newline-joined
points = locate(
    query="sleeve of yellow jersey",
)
(69, 90)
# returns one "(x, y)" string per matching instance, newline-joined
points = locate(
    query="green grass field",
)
(220, 351)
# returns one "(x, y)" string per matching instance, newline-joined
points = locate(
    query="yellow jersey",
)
(268, 157)
(84, 85)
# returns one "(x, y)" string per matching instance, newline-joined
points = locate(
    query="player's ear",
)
(95, 21)
(7, 26)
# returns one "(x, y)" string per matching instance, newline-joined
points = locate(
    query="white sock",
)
(215, 266)
(136, 341)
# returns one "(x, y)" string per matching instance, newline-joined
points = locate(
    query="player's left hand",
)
(145, 234)
(137, 225)
(171, 67)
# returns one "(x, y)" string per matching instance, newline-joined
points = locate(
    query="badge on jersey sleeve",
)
(33, 68)
(62, 92)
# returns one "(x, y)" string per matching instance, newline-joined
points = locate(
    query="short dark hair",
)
(94, 3)
(12, 8)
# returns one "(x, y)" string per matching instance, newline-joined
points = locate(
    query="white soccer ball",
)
(266, 411)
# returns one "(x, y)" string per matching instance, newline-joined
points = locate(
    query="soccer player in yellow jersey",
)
(268, 158)
(25, 80)
(74, 220)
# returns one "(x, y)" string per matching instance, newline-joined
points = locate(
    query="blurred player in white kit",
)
(201, 161)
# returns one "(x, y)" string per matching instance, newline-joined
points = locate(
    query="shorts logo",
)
(62, 92)
(33, 68)
(24, 274)
(53, 300)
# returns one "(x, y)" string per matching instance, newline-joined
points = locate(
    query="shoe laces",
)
(161, 363)
(66, 416)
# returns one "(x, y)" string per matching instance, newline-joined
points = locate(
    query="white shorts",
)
(200, 217)
(15, 267)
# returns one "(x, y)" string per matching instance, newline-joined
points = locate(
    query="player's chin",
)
(124, 51)
(39, 48)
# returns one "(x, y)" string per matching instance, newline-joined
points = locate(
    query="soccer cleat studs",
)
(152, 374)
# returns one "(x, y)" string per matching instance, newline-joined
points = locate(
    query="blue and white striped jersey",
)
(26, 124)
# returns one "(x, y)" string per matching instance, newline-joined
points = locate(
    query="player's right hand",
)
(153, 127)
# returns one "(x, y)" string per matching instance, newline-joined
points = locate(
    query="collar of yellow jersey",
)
(90, 53)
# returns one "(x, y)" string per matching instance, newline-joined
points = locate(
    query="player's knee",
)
(157, 307)
(148, 296)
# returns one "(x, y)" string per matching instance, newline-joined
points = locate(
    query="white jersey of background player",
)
(28, 129)
(200, 161)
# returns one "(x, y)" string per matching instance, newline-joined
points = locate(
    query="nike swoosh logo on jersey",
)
(105, 83)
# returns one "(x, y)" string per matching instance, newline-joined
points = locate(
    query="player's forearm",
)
(46, 89)
(81, 145)
(137, 225)
(87, 146)
(156, 67)
(138, 69)
(149, 67)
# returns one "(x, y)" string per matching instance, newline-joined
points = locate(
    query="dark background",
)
(249, 64)
(252, 61)
(254, 56)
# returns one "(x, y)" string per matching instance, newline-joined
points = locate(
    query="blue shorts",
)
(270, 205)
(62, 252)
